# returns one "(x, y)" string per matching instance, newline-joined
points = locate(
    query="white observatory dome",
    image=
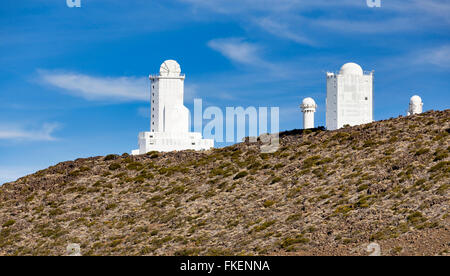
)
(415, 100)
(351, 69)
(308, 102)
(170, 68)
(415, 105)
(308, 107)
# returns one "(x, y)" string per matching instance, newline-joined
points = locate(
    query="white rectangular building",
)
(169, 122)
(349, 97)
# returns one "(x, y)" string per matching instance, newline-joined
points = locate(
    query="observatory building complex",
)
(415, 105)
(169, 124)
(349, 97)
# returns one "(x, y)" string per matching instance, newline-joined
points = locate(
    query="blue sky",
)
(73, 81)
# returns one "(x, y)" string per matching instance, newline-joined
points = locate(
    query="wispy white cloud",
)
(249, 54)
(427, 59)
(439, 56)
(258, 64)
(434, 11)
(365, 26)
(269, 6)
(98, 88)
(284, 18)
(238, 50)
(23, 133)
(282, 30)
(106, 88)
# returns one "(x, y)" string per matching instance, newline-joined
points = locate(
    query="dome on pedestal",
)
(351, 69)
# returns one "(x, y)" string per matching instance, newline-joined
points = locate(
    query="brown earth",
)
(321, 193)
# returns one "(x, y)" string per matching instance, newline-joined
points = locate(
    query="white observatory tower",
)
(415, 105)
(349, 97)
(308, 107)
(169, 124)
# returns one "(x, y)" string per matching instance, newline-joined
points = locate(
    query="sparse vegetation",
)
(110, 157)
(8, 223)
(240, 175)
(386, 180)
(114, 166)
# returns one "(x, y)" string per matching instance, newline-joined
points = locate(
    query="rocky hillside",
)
(321, 193)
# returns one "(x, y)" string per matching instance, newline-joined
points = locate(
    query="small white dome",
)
(415, 100)
(170, 68)
(351, 69)
(308, 101)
